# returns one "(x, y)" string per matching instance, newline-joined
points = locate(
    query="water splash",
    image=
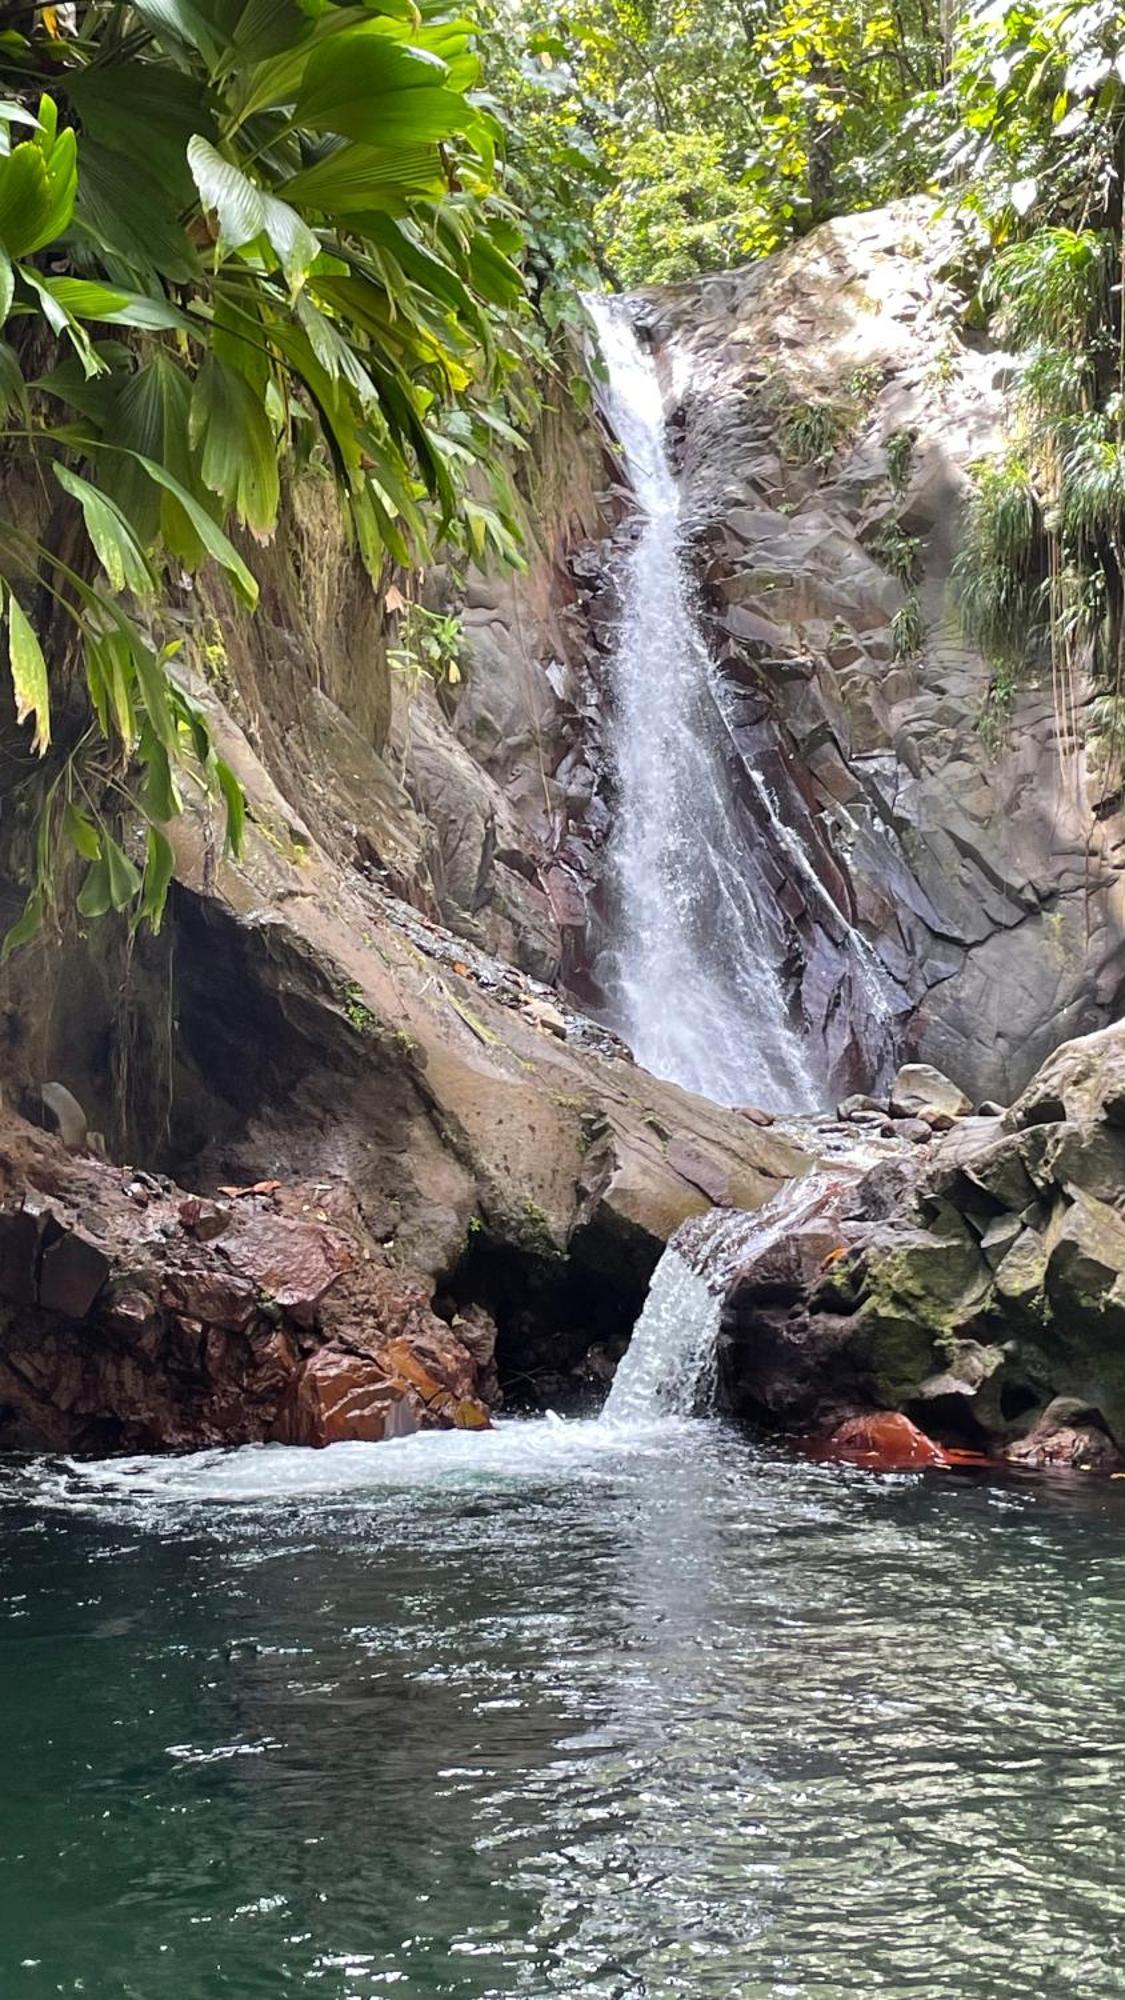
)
(692, 977)
(669, 1366)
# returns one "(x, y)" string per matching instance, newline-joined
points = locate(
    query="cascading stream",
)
(691, 976)
(669, 1366)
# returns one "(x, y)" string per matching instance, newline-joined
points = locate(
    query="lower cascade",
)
(669, 1366)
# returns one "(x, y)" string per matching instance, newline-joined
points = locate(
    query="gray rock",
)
(920, 1090)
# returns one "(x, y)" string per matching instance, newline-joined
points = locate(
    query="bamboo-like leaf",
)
(115, 544)
(95, 897)
(155, 694)
(28, 669)
(81, 832)
(26, 927)
(160, 864)
(110, 672)
(123, 878)
(224, 188)
(210, 534)
(234, 799)
(80, 298)
(239, 454)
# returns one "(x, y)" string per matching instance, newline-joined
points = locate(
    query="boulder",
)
(921, 1091)
(1068, 1437)
(343, 1398)
(884, 1441)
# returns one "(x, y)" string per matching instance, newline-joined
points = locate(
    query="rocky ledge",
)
(135, 1316)
(975, 1285)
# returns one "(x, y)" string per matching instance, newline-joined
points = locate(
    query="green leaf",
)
(239, 454)
(366, 86)
(147, 111)
(355, 178)
(110, 673)
(210, 534)
(37, 191)
(150, 415)
(116, 546)
(7, 284)
(296, 245)
(160, 864)
(115, 208)
(183, 22)
(82, 832)
(28, 669)
(155, 694)
(161, 799)
(60, 321)
(124, 879)
(81, 298)
(13, 388)
(26, 926)
(235, 800)
(236, 200)
(95, 897)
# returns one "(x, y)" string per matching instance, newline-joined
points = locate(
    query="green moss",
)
(358, 1012)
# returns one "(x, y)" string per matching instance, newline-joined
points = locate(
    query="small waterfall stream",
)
(669, 1366)
(691, 974)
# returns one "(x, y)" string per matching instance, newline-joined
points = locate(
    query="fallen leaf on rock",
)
(258, 1187)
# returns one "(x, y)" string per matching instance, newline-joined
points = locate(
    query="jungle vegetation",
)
(239, 238)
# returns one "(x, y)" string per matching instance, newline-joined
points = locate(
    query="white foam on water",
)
(516, 1451)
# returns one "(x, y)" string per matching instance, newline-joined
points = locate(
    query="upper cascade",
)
(690, 970)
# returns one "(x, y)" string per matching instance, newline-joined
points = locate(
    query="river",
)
(581, 1710)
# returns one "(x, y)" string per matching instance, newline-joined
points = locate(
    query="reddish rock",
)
(292, 1263)
(20, 1237)
(212, 1294)
(339, 1398)
(127, 1328)
(205, 1220)
(885, 1441)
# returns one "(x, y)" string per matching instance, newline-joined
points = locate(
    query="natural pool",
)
(562, 1710)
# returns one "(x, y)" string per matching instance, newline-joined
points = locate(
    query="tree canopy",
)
(235, 235)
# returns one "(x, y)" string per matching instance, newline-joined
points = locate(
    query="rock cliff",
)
(828, 403)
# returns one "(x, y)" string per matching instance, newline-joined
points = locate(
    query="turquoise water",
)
(560, 1711)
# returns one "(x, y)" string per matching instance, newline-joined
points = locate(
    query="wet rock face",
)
(133, 1317)
(954, 841)
(976, 1286)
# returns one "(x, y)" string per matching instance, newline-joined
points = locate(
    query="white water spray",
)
(669, 1366)
(691, 977)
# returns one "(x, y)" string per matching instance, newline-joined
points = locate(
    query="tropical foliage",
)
(697, 134)
(236, 236)
(1042, 568)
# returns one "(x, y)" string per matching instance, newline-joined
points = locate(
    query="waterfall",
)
(690, 976)
(669, 1366)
